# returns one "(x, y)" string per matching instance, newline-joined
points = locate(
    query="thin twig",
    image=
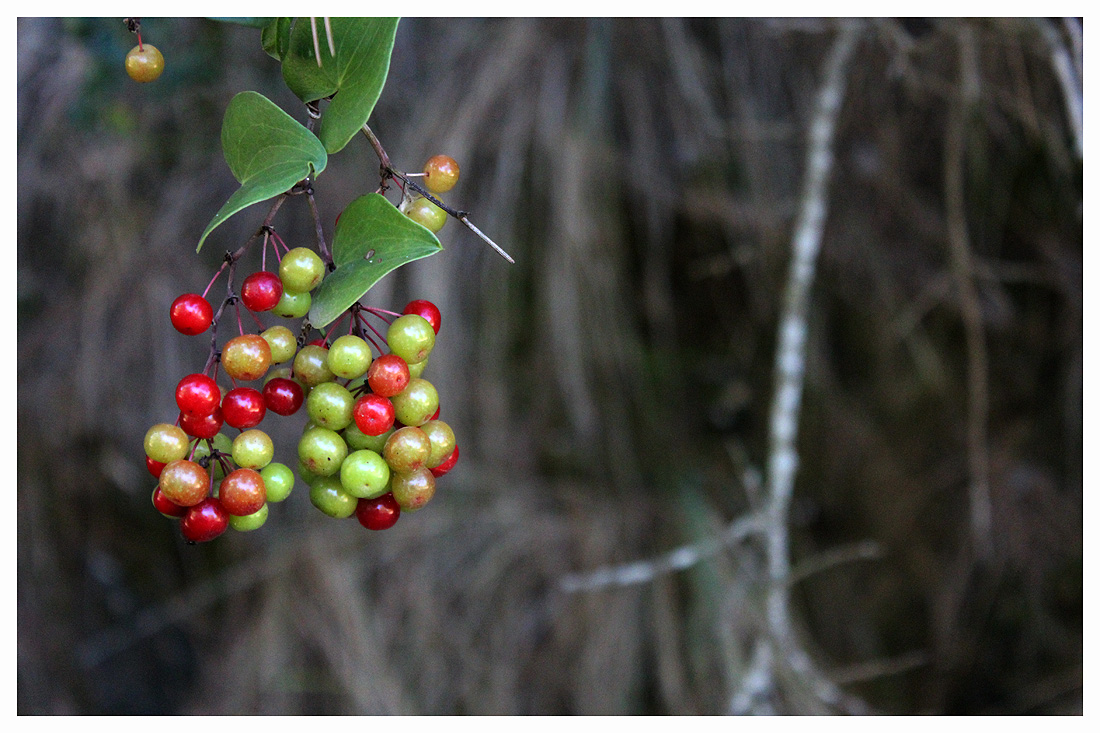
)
(387, 171)
(681, 558)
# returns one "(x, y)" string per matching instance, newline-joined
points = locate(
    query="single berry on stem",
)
(191, 314)
(293, 305)
(144, 63)
(440, 173)
(414, 489)
(311, 365)
(328, 495)
(197, 394)
(261, 291)
(349, 357)
(407, 450)
(253, 449)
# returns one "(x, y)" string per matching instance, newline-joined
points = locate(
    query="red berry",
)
(283, 396)
(261, 291)
(243, 408)
(204, 521)
(155, 467)
(373, 414)
(388, 375)
(447, 465)
(202, 426)
(191, 314)
(426, 310)
(165, 506)
(197, 394)
(379, 513)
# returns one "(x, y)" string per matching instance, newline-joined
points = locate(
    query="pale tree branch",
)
(790, 363)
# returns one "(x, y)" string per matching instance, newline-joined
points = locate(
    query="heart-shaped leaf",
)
(355, 75)
(275, 38)
(267, 150)
(372, 239)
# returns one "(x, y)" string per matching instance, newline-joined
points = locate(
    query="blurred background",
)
(610, 391)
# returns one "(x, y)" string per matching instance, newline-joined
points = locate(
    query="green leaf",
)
(275, 38)
(355, 75)
(372, 239)
(267, 150)
(250, 22)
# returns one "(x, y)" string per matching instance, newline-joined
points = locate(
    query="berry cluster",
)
(374, 444)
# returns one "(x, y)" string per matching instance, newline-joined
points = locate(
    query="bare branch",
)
(644, 571)
(790, 367)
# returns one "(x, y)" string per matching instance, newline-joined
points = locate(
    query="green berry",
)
(364, 474)
(166, 443)
(282, 343)
(311, 366)
(349, 357)
(415, 370)
(411, 337)
(253, 449)
(328, 495)
(442, 438)
(330, 405)
(301, 270)
(426, 214)
(415, 404)
(322, 451)
(278, 479)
